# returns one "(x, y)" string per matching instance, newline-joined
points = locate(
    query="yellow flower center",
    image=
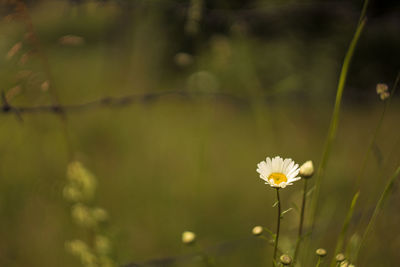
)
(277, 177)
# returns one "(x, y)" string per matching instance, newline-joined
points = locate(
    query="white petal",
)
(269, 162)
(263, 169)
(294, 179)
(289, 167)
(277, 164)
(294, 171)
(286, 162)
(262, 166)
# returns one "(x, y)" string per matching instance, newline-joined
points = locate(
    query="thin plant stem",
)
(377, 209)
(370, 145)
(363, 11)
(277, 227)
(335, 116)
(300, 233)
(375, 134)
(318, 262)
(339, 244)
(266, 239)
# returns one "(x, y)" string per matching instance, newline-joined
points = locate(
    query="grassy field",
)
(176, 163)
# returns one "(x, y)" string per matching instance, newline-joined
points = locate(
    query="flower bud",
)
(321, 252)
(307, 169)
(286, 259)
(340, 257)
(188, 237)
(257, 230)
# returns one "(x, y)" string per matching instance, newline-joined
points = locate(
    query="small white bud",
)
(340, 257)
(286, 259)
(257, 230)
(188, 237)
(321, 252)
(307, 169)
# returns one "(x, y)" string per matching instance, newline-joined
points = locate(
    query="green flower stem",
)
(277, 226)
(318, 262)
(270, 243)
(300, 233)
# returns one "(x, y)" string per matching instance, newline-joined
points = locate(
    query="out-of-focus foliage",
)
(177, 164)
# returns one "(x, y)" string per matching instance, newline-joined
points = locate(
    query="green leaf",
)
(285, 211)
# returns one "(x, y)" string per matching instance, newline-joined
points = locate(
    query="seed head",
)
(382, 90)
(286, 259)
(340, 257)
(384, 95)
(188, 237)
(321, 252)
(257, 230)
(307, 169)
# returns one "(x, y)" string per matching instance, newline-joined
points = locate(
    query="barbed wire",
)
(130, 99)
(7, 108)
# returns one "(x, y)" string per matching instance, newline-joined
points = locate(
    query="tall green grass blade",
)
(335, 117)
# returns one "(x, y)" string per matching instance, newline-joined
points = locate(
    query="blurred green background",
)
(261, 78)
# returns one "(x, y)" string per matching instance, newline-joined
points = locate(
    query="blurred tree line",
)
(309, 23)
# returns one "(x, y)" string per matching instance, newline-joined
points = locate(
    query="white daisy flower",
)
(278, 172)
